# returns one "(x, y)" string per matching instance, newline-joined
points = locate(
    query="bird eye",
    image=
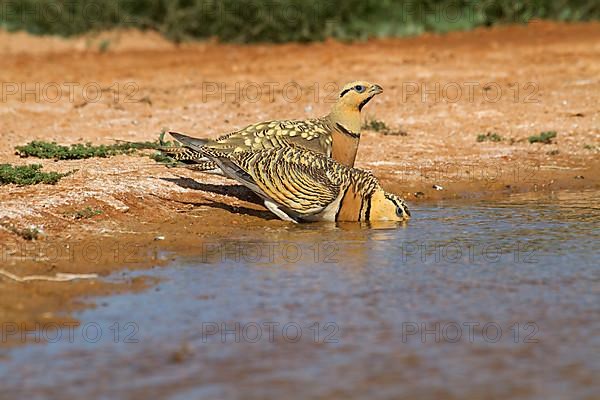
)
(359, 88)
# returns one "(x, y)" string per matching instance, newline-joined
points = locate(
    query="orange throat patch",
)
(344, 148)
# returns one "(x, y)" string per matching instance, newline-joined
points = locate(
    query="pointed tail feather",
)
(189, 158)
(191, 142)
(192, 159)
(202, 166)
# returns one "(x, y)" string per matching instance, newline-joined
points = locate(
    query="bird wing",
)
(312, 134)
(296, 181)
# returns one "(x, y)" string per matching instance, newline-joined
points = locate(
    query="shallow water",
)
(488, 299)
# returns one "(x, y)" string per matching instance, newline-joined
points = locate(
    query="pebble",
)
(438, 187)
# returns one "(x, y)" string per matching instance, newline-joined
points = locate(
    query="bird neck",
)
(346, 115)
(345, 133)
(355, 204)
(351, 205)
(344, 146)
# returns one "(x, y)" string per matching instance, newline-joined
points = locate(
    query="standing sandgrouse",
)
(336, 135)
(302, 186)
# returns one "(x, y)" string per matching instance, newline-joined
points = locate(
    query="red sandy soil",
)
(523, 80)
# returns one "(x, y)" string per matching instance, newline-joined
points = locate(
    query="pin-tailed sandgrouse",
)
(335, 135)
(299, 185)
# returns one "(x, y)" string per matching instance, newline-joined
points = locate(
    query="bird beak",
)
(376, 89)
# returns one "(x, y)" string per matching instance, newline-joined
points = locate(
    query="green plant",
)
(29, 234)
(162, 143)
(28, 175)
(41, 149)
(491, 137)
(85, 213)
(544, 137)
(164, 159)
(375, 125)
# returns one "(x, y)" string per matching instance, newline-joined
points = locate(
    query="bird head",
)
(352, 98)
(355, 95)
(388, 207)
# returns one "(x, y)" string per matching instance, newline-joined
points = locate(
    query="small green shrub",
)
(164, 159)
(376, 125)
(28, 175)
(86, 213)
(29, 234)
(544, 137)
(47, 150)
(489, 137)
(41, 149)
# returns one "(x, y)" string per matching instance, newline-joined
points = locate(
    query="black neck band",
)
(347, 132)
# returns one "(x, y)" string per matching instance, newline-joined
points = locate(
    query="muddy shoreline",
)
(150, 212)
